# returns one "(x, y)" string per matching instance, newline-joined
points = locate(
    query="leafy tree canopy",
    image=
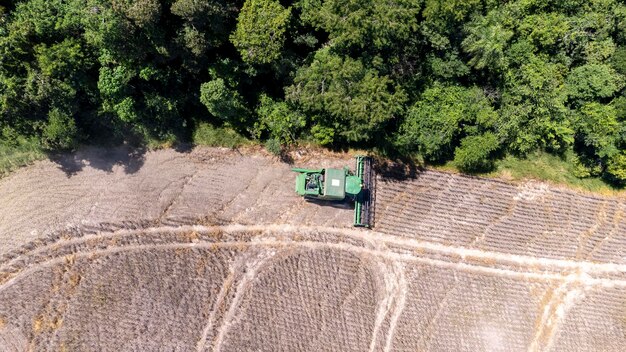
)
(261, 31)
(442, 116)
(346, 97)
(467, 81)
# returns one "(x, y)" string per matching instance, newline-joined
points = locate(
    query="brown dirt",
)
(210, 250)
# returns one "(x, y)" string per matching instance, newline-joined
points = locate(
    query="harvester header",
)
(340, 184)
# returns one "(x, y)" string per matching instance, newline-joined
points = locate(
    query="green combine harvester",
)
(339, 184)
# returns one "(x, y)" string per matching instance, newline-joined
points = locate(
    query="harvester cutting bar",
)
(363, 207)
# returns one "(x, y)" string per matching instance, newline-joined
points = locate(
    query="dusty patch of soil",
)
(208, 186)
(210, 250)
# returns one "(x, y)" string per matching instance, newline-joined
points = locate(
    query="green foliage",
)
(444, 19)
(142, 12)
(355, 102)
(60, 59)
(207, 24)
(544, 29)
(616, 169)
(42, 66)
(463, 80)
(533, 114)
(281, 122)
(60, 132)
(363, 24)
(600, 133)
(446, 10)
(193, 10)
(593, 81)
(584, 169)
(209, 135)
(598, 128)
(618, 60)
(17, 151)
(557, 169)
(222, 101)
(486, 42)
(323, 135)
(435, 123)
(260, 32)
(274, 146)
(600, 51)
(474, 154)
(448, 67)
(113, 82)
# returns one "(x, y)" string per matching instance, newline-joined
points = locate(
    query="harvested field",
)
(210, 250)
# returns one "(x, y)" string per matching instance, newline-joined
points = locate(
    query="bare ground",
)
(210, 250)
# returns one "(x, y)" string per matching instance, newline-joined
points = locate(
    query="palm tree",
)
(486, 41)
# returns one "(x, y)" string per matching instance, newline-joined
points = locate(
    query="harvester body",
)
(339, 184)
(328, 184)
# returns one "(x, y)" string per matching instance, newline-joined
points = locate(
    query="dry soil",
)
(211, 250)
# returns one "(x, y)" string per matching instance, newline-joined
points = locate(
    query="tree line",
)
(463, 80)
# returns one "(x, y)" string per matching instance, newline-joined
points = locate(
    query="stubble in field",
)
(212, 251)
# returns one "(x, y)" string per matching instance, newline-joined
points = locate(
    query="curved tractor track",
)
(226, 258)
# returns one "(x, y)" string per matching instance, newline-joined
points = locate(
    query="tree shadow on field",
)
(286, 158)
(183, 147)
(131, 159)
(68, 163)
(397, 170)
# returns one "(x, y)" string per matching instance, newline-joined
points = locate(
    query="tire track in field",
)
(390, 247)
(560, 300)
(219, 302)
(392, 303)
(571, 279)
(400, 291)
(252, 267)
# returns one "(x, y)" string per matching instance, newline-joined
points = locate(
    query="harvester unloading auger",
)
(339, 184)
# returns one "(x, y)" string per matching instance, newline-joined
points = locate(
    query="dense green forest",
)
(468, 81)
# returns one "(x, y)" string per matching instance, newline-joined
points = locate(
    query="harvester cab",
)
(339, 184)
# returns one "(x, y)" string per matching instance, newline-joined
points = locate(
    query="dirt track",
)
(211, 250)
